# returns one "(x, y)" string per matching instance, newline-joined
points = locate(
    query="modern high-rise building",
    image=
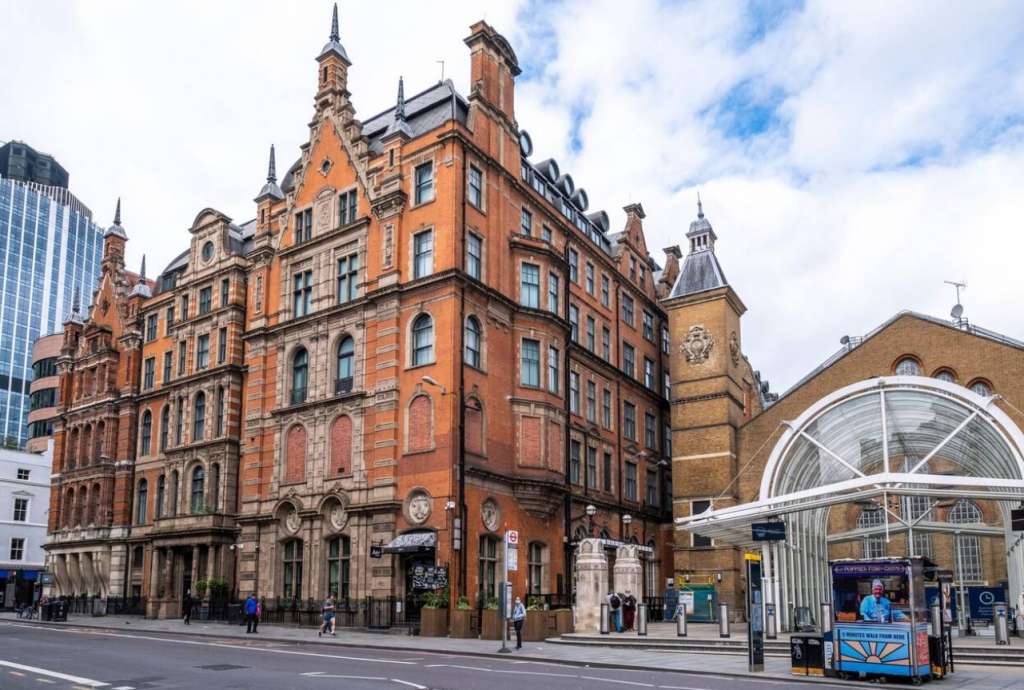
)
(49, 251)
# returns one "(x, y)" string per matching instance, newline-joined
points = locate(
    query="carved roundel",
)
(335, 515)
(697, 345)
(418, 506)
(292, 521)
(490, 514)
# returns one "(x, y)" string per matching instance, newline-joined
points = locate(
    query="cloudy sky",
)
(851, 155)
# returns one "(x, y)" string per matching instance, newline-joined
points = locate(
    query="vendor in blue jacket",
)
(876, 608)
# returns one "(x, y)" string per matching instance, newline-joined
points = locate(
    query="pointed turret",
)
(74, 316)
(701, 270)
(142, 268)
(401, 125)
(333, 44)
(270, 189)
(116, 228)
(142, 287)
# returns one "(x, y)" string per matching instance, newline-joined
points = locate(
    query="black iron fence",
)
(655, 609)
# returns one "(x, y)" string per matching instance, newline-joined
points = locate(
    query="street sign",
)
(376, 551)
(512, 537)
(768, 531)
(755, 621)
(512, 554)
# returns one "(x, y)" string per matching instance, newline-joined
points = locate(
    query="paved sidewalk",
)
(973, 678)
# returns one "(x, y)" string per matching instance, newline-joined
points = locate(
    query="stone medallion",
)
(292, 521)
(418, 507)
(490, 514)
(338, 516)
(697, 345)
(734, 348)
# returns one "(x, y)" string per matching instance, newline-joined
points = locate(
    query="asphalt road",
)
(34, 656)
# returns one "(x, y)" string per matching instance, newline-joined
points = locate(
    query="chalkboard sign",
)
(376, 551)
(768, 531)
(430, 577)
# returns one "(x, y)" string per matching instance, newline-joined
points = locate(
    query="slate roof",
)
(701, 271)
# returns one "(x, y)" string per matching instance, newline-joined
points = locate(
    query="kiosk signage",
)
(755, 614)
(768, 531)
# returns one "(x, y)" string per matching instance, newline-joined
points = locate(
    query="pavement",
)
(154, 647)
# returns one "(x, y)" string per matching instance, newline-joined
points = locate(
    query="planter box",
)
(490, 625)
(462, 624)
(563, 621)
(538, 626)
(433, 622)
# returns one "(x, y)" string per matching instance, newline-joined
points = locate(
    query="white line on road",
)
(323, 674)
(54, 674)
(615, 680)
(498, 670)
(680, 687)
(411, 685)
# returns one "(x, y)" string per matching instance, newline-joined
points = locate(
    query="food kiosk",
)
(881, 621)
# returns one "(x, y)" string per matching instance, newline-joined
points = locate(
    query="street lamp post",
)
(591, 510)
(627, 519)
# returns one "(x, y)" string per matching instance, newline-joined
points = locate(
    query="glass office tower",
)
(49, 248)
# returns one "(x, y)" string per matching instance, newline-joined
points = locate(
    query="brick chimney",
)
(493, 69)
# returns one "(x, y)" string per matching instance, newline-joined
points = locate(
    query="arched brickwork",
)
(341, 445)
(295, 454)
(421, 432)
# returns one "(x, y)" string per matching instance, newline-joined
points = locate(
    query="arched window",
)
(473, 333)
(69, 508)
(346, 360)
(179, 425)
(967, 557)
(341, 445)
(488, 567)
(140, 507)
(295, 454)
(536, 570)
(198, 481)
(292, 561)
(97, 442)
(908, 366)
(165, 426)
(72, 449)
(300, 376)
(422, 340)
(981, 388)
(146, 437)
(172, 508)
(199, 417)
(161, 491)
(421, 434)
(339, 553)
(874, 544)
(945, 375)
(220, 411)
(214, 486)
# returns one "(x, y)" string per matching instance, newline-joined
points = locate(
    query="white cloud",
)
(822, 230)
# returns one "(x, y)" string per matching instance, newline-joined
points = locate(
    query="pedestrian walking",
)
(327, 611)
(628, 610)
(518, 616)
(259, 615)
(615, 610)
(251, 621)
(186, 608)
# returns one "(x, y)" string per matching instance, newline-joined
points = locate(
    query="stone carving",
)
(323, 214)
(734, 348)
(292, 521)
(389, 249)
(419, 507)
(489, 514)
(697, 345)
(338, 516)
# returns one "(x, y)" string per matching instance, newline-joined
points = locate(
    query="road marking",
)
(45, 680)
(17, 673)
(324, 674)
(88, 682)
(124, 687)
(615, 680)
(498, 670)
(680, 687)
(411, 685)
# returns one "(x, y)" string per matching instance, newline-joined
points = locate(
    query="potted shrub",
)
(490, 623)
(434, 614)
(536, 626)
(461, 625)
(564, 621)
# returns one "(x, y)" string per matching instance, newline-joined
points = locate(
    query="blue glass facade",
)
(49, 246)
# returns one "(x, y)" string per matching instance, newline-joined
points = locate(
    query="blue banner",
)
(982, 599)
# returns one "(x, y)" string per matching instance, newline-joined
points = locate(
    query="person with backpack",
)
(251, 619)
(327, 611)
(615, 610)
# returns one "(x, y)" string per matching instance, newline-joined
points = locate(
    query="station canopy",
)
(898, 435)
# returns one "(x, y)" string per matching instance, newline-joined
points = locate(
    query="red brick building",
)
(423, 340)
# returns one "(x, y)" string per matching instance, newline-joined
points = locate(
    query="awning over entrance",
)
(412, 542)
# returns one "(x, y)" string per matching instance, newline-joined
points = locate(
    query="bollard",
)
(681, 621)
(604, 618)
(641, 620)
(935, 625)
(1002, 624)
(723, 620)
(770, 623)
(826, 617)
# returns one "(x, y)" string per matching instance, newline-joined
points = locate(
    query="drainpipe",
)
(462, 390)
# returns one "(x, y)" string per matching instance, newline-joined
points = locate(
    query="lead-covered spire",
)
(333, 44)
(270, 188)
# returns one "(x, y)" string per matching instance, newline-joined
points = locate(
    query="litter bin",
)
(46, 611)
(805, 654)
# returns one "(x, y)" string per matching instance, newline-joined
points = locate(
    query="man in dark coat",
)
(628, 610)
(186, 608)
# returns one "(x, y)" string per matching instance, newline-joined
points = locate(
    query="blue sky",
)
(851, 156)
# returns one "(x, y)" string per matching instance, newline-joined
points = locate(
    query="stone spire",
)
(400, 105)
(401, 126)
(74, 316)
(142, 268)
(701, 270)
(334, 24)
(117, 212)
(270, 189)
(116, 228)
